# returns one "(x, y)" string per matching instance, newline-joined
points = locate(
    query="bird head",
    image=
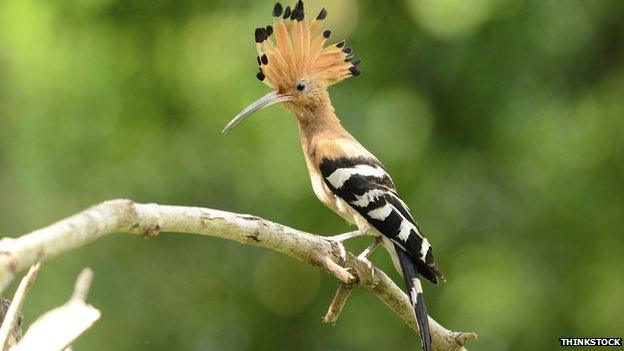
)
(296, 62)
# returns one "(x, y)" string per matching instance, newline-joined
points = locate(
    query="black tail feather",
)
(414, 291)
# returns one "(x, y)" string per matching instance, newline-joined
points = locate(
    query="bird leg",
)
(369, 250)
(346, 236)
(340, 238)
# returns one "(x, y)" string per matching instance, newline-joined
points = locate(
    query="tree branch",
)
(12, 316)
(16, 333)
(150, 219)
(338, 303)
(58, 328)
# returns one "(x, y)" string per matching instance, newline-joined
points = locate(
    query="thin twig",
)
(338, 271)
(150, 219)
(83, 283)
(340, 299)
(12, 315)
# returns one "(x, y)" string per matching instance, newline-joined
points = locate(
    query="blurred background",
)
(501, 121)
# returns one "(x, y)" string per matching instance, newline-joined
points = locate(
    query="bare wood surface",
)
(58, 328)
(12, 315)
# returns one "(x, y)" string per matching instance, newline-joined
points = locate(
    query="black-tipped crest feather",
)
(322, 15)
(277, 9)
(287, 13)
(292, 51)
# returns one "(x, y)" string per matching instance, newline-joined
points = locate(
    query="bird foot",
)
(342, 250)
(368, 263)
(340, 238)
(366, 253)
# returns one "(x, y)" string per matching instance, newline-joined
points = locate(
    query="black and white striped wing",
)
(364, 184)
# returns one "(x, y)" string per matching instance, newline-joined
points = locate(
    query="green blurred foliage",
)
(501, 121)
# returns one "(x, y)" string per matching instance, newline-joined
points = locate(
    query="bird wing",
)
(363, 183)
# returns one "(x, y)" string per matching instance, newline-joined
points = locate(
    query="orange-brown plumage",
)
(296, 50)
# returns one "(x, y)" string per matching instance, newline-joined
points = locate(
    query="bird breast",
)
(336, 204)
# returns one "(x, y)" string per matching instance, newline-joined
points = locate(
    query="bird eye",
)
(300, 86)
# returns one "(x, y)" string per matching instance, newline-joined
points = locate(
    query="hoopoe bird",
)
(298, 65)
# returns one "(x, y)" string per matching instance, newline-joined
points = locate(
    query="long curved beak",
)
(269, 99)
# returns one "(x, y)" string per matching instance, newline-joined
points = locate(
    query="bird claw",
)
(362, 257)
(341, 250)
(338, 241)
(366, 253)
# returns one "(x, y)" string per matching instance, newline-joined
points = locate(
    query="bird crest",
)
(295, 47)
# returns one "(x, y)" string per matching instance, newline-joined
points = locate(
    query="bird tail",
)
(414, 291)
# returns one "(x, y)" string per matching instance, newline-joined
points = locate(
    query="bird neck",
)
(319, 126)
(319, 121)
